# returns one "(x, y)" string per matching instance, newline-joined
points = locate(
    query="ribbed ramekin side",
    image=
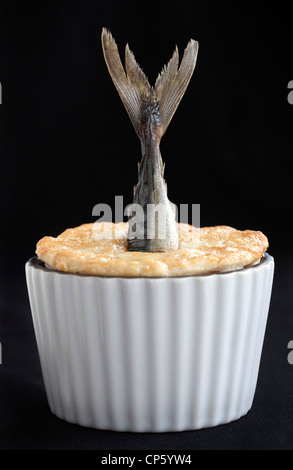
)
(150, 354)
(202, 369)
(63, 308)
(62, 353)
(114, 354)
(159, 333)
(93, 352)
(142, 368)
(35, 299)
(218, 352)
(183, 322)
(227, 325)
(191, 352)
(243, 310)
(138, 353)
(65, 316)
(243, 328)
(262, 288)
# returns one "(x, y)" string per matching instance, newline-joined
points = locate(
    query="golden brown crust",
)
(85, 250)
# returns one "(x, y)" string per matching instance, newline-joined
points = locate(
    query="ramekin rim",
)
(34, 263)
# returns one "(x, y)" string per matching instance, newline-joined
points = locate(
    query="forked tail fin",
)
(133, 85)
(151, 110)
(172, 82)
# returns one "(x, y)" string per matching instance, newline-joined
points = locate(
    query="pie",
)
(100, 249)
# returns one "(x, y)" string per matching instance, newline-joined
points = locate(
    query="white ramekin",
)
(154, 355)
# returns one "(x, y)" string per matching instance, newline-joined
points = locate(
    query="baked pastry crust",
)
(101, 249)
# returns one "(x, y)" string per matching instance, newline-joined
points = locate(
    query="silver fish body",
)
(150, 110)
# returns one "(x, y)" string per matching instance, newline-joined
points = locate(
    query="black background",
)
(67, 144)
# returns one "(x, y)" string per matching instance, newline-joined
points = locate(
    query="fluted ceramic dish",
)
(150, 354)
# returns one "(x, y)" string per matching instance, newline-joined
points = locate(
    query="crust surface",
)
(101, 249)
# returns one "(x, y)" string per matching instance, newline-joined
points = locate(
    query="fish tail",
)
(150, 110)
(172, 82)
(134, 88)
(132, 84)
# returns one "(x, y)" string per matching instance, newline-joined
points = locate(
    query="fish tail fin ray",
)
(172, 82)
